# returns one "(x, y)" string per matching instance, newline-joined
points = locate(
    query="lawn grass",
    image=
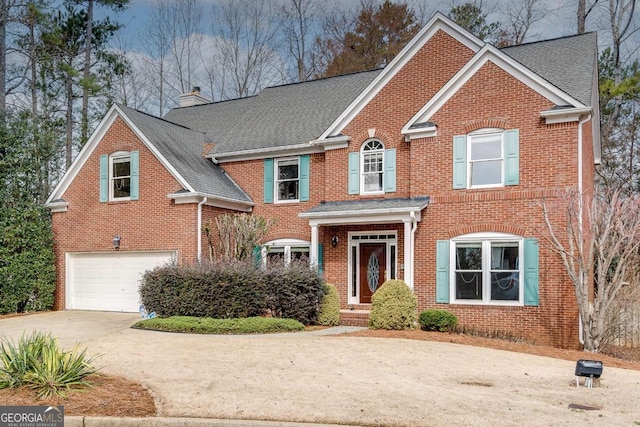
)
(207, 325)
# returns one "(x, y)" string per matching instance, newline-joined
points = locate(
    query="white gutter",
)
(414, 227)
(204, 200)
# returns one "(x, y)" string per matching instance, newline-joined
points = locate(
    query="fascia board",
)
(57, 206)
(211, 200)
(84, 154)
(333, 143)
(261, 153)
(363, 217)
(428, 132)
(564, 115)
(438, 22)
(491, 54)
(183, 182)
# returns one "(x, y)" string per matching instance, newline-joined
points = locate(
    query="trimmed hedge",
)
(437, 320)
(197, 325)
(233, 290)
(329, 307)
(393, 306)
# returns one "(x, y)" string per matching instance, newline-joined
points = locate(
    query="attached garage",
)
(109, 281)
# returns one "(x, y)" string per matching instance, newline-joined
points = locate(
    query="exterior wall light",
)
(116, 242)
(334, 241)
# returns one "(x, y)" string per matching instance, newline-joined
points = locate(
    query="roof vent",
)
(193, 98)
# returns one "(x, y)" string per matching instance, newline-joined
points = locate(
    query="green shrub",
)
(233, 290)
(437, 320)
(197, 325)
(393, 306)
(329, 307)
(37, 362)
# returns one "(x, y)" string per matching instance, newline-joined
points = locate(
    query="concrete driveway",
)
(302, 377)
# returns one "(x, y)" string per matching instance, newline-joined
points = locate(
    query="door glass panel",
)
(373, 272)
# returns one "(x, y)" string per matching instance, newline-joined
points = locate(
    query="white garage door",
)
(109, 281)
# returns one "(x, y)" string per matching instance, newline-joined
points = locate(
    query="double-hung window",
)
(372, 167)
(486, 160)
(285, 251)
(120, 176)
(287, 179)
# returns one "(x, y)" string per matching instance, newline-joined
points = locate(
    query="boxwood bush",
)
(329, 307)
(437, 320)
(393, 306)
(233, 290)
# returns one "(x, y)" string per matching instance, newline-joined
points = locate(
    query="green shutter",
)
(390, 170)
(135, 175)
(531, 272)
(320, 259)
(268, 180)
(104, 178)
(257, 256)
(460, 161)
(354, 173)
(511, 157)
(304, 178)
(442, 271)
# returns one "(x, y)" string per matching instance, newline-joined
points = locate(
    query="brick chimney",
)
(193, 98)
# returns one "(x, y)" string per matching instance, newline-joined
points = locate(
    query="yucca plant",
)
(38, 363)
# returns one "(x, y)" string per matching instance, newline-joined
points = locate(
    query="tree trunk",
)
(86, 85)
(69, 117)
(3, 52)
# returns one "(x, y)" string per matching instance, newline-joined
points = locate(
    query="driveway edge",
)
(78, 421)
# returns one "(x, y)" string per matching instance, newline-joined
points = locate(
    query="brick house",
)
(426, 171)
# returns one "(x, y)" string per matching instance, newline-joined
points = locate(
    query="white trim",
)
(388, 216)
(564, 115)
(351, 300)
(418, 133)
(491, 54)
(287, 245)
(214, 201)
(261, 153)
(95, 139)
(438, 22)
(276, 174)
(484, 132)
(333, 143)
(125, 156)
(363, 192)
(486, 239)
(60, 206)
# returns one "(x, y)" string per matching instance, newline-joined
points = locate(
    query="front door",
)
(373, 262)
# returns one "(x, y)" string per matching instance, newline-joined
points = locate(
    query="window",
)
(287, 180)
(486, 158)
(285, 251)
(120, 176)
(372, 167)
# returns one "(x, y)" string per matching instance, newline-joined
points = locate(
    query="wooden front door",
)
(373, 263)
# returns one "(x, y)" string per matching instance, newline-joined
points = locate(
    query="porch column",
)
(313, 250)
(408, 254)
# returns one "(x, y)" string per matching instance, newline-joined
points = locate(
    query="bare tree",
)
(237, 235)
(246, 31)
(601, 254)
(584, 10)
(184, 19)
(157, 44)
(520, 15)
(300, 30)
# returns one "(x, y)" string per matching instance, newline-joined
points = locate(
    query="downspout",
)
(414, 227)
(204, 200)
(580, 197)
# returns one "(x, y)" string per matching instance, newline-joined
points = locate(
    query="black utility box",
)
(588, 368)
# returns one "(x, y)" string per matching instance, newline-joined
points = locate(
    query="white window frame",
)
(486, 239)
(353, 290)
(118, 157)
(277, 180)
(363, 154)
(470, 139)
(287, 245)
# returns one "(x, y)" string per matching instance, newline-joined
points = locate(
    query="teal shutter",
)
(134, 171)
(531, 272)
(354, 173)
(256, 255)
(268, 180)
(460, 161)
(304, 178)
(390, 170)
(320, 259)
(104, 178)
(511, 157)
(442, 271)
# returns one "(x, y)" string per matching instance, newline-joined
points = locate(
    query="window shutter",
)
(256, 255)
(390, 170)
(304, 178)
(104, 178)
(268, 180)
(320, 259)
(354, 173)
(134, 171)
(442, 271)
(460, 161)
(531, 272)
(511, 157)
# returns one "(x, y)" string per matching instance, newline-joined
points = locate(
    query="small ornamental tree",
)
(601, 254)
(236, 235)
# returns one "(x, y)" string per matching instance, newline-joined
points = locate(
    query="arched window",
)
(372, 175)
